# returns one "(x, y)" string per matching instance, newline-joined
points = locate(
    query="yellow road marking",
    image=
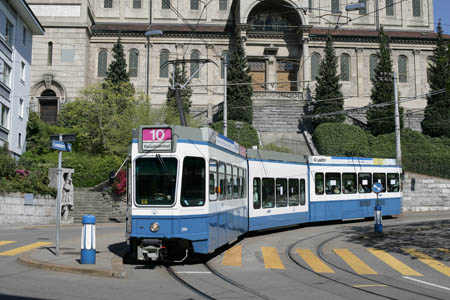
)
(369, 285)
(6, 242)
(233, 256)
(445, 250)
(428, 260)
(271, 258)
(24, 248)
(313, 261)
(354, 262)
(393, 262)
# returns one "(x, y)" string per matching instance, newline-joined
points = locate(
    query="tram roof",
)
(275, 156)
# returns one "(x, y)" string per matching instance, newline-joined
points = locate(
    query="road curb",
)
(28, 260)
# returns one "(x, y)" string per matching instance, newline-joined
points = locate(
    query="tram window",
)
(332, 183)
(256, 193)
(155, 180)
(380, 178)
(393, 183)
(212, 180)
(235, 183)
(293, 192)
(221, 188)
(319, 183)
(364, 183)
(268, 193)
(244, 187)
(129, 181)
(241, 177)
(229, 182)
(302, 192)
(349, 183)
(281, 189)
(193, 182)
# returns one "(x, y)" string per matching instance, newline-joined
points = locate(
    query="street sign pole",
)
(58, 198)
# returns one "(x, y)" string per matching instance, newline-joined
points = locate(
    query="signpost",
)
(59, 142)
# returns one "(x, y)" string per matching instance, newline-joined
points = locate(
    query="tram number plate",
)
(156, 139)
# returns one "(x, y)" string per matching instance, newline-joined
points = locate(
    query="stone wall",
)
(15, 210)
(425, 193)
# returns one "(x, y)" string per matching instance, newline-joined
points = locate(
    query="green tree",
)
(329, 97)
(436, 121)
(380, 120)
(117, 72)
(186, 93)
(239, 97)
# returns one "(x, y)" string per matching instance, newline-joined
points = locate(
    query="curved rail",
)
(189, 286)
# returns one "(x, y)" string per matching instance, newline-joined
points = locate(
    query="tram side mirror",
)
(111, 178)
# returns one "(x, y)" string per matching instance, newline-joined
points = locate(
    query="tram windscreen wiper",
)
(166, 169)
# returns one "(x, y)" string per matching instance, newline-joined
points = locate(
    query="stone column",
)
(306, 63)
(417, 77)
(271, 73)
(359, 69)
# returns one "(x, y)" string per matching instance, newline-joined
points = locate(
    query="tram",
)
(193, 190)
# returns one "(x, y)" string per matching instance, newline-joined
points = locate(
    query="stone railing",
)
(278, 95)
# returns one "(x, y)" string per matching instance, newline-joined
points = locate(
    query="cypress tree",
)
(117, 75)
(239, 97)
(329, 97)
(380, 120)
(436, 121)
(186, 93)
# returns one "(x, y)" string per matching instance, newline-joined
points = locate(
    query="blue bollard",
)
(378, 219)
(88, 240)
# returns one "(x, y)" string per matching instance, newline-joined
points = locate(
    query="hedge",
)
(245, 134)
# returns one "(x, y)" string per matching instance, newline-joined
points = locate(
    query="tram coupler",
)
(149, 249)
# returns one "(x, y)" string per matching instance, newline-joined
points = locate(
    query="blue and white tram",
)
(195, 190)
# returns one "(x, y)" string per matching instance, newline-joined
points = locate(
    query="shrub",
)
(242, 133)
(273, 147)
(7, 163)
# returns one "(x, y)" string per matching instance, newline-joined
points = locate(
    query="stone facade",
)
(280, 40)
(15, 210)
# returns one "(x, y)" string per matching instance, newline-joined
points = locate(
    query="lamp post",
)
(148, 34)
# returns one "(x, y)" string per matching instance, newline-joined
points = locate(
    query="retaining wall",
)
(15, 210)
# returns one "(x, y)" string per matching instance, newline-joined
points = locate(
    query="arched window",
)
(345, 67)
(222, 66)
(163, 65)
(194, 65)
(334, 6)
(416, 6)
(389, 8)
(373, 62)
(50, 54)
(133, 62)
(102, 63)
(315, 66)
(403, 68)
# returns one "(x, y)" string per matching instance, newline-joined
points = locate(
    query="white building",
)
(284, 42)
(17, 26)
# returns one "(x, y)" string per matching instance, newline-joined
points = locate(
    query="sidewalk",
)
(111, 248)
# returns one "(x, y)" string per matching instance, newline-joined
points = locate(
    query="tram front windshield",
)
(155, 180)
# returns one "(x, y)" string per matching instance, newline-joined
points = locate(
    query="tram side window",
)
(393, 182)
(364, 183)
(349, 183)
(235, 183)
(129, 181)
(244, 188)
(281, 199)
(229, 182)
(293, 192)
(380, 178)
(193, 182)
(256, 193)
(302, 192)
(268, 193)
(221, 187)
(212, 180)
(319, 183)
(332, 183)
(240, 181)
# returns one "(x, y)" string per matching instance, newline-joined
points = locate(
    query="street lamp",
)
(148, 34)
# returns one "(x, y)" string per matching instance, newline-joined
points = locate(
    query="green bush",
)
(273, 147)
(242, 133)
(7, 163)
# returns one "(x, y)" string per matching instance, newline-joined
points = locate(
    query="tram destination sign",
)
(156, 139)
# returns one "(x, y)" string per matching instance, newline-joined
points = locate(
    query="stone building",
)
(284, 42)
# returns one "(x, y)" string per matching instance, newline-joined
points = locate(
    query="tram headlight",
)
(154, 227)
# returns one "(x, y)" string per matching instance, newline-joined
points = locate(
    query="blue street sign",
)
(377, 187)
(61, 146)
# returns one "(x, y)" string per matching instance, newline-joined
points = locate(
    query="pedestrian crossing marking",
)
(24, 248)
(2, 243)
(354, 262)
(271, 258)
(313, 261)
(428, 260)
(233, 256)
(393, 262)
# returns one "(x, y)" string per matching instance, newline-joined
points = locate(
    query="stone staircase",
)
(98, 203)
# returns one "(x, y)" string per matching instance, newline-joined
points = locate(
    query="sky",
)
(442, 11)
